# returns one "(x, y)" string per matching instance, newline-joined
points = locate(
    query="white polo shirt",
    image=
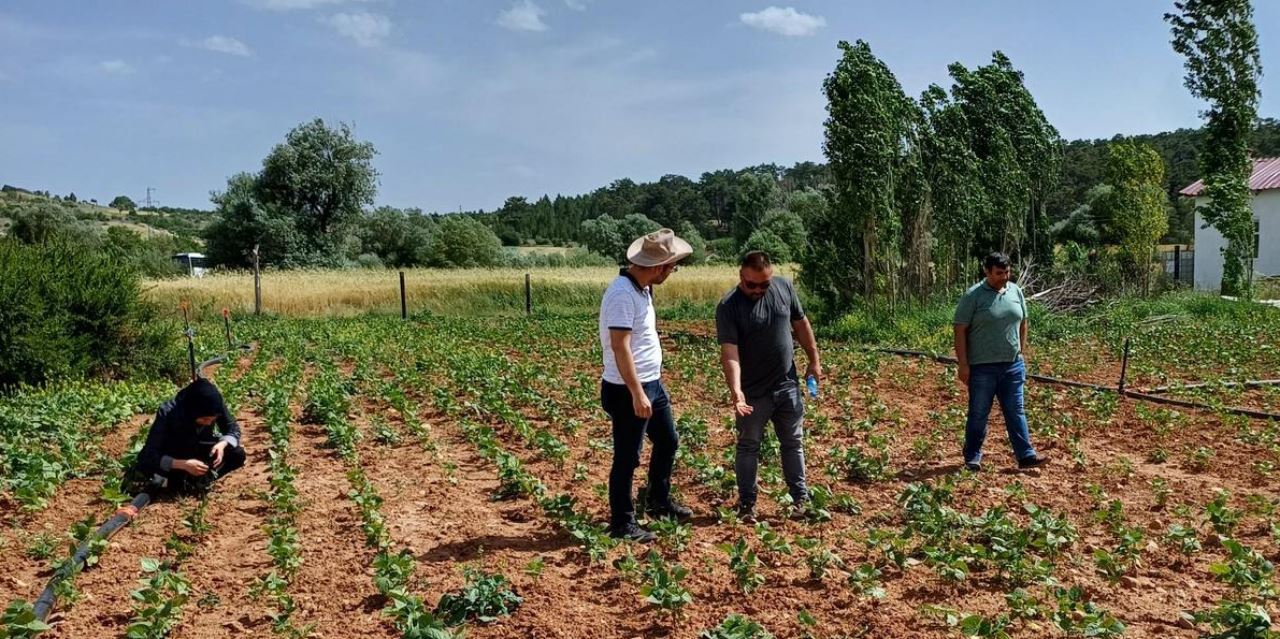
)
(628, 307)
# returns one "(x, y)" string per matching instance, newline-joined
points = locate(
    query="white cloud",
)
(221, 44)
(787, 22)
(577, 5)
(117, 67)
(291, 5)
(367, 29)
(524, 15)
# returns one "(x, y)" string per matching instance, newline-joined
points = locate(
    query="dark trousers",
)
(180, 481)
(628, 440)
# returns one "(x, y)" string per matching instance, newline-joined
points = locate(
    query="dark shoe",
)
(800, 510)
(1033, 461)
(670, 509)
(746, 513)
(632, 532)
(973, 467)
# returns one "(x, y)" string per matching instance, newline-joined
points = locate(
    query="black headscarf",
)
(199, 399)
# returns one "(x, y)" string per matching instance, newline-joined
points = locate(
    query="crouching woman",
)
(193, 441)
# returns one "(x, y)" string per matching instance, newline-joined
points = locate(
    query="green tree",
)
(690, 234)
(1135, 207)
(766, 240)
(603, 236)
(123, 203)
(789, 228)
(242, 222)
(1220, 44)
(322, 177)
(45, 222)
(756, 193)
(1018, 157)
(855, 245)
(634, 226)
(398, 238)
(464, 242)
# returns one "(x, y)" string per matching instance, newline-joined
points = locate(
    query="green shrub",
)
(72, 312)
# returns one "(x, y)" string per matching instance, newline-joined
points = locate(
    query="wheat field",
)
(313, 293)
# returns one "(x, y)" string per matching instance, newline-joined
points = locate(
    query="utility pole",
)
(150, 189)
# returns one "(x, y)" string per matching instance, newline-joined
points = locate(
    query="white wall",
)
(1209, 242)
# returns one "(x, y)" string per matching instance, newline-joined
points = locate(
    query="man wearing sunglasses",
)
(754, 323)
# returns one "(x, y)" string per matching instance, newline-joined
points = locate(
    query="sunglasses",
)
(756, 286)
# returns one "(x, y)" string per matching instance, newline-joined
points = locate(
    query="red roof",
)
(1266, 175)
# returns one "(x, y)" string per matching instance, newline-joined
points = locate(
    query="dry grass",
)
(452, 292)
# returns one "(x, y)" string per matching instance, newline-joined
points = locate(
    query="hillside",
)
(179, 224)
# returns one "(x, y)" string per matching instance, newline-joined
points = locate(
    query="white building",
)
(1265, 184)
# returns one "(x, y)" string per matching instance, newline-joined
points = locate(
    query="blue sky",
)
(470, 101)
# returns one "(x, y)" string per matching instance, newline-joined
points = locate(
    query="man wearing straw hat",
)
(631, 390)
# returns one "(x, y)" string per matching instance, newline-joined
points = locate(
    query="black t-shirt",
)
(761, 329)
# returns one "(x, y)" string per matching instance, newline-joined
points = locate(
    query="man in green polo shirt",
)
(990, 333)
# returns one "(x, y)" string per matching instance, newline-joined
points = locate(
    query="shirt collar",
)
(627, 274)
(987, 285)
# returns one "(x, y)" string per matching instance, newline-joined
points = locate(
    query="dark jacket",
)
(175, 435)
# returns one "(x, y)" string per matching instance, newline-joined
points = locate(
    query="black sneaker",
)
(800, 510)
(670, 509)
(632, 532)
(1033, 461)
(973, 467)
(746, 513)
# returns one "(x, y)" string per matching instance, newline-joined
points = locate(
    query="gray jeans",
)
(785, 408)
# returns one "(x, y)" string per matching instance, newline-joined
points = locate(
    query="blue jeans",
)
(986, 383)
(785, 408)
(628, 439)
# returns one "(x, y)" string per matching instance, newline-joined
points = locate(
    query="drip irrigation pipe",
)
(1253, 383)
(45, 602)
(1146, 397)
(221, 359)
(48, 598)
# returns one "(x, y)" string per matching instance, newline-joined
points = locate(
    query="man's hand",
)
(740, 406)
(193, 467)
(218, 448)
(641, 405)
(814, 370)
(962, 374)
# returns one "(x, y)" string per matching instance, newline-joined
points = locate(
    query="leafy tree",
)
(465, 242)
(756, 193)
(123, 203)
(634, 226)
(769, 242)
(398, 238)
(855, 245)
(603, 236)
(1018, 155)
(243, 223)
(320, 176)
(789, 228)
(1220, 44)
(1134, 208)
(690, 234)
(45, 222)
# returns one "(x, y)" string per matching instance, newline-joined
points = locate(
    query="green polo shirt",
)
(993, 318)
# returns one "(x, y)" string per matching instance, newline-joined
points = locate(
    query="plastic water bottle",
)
(812, 383)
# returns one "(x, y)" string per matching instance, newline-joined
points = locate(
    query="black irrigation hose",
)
(47, 599)
(45, 602)
(199, 369)
(1253, 383)
(1146, 397)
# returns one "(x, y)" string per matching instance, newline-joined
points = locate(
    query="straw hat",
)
(658, 248)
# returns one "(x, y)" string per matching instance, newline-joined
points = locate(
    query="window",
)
(1257, 237)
